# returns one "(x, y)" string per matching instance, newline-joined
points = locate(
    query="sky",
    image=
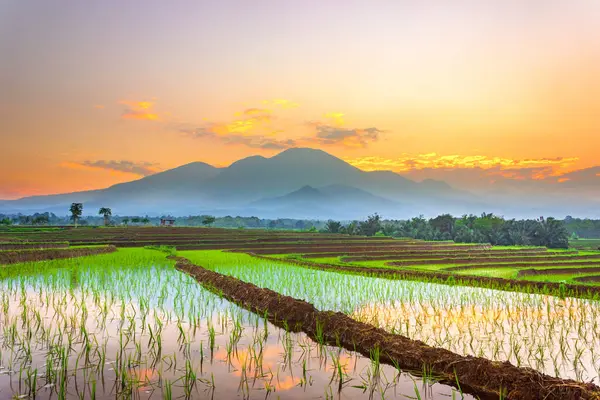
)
(96, 93)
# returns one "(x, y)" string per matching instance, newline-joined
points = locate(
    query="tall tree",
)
(208, 220)
(106, 213)
(76, 211)
(371, 226)
(333, 226)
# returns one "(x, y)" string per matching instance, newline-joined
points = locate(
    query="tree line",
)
(487, 228)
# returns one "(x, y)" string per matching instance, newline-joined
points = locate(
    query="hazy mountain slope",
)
(239, 189)
(178, 187)
(258, 177)
(333, 201)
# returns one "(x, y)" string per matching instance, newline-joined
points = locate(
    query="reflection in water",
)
(559, 337)
(126, 325)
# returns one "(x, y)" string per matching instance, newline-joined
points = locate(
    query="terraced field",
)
(89, 311)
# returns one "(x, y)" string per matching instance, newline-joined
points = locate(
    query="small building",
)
(167, 221)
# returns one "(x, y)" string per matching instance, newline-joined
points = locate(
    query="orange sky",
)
(96, 94)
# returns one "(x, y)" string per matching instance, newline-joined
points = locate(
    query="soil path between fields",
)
(20, 256)
(476, 375)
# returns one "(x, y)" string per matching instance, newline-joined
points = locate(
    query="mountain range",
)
(296, 183)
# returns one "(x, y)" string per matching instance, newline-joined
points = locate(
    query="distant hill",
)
(333, 201)
(298, 182)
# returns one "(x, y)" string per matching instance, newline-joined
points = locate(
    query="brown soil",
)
(297, 249)
(13, 257)
(30, 246)
(517, 265)
(592, 278)
(429, 260)
(476, 375)
(556, 271)
(376, 254)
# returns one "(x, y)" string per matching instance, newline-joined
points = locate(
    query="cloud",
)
(258, 128)
(338, 118)
(253, 141)
(99, 106)
(139, 110)
(408, 162)
(333, 135)
(121, 166)
(285, 104)
(587, 176)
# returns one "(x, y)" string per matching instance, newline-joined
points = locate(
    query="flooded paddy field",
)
(128, 325)
(554, 335)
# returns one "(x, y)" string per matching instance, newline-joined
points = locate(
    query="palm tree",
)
(146, 221)
(106, 213)
(76, 211)
(125, 221)
(333, 226)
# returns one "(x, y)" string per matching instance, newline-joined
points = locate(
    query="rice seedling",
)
(128, 325)
(551, 334)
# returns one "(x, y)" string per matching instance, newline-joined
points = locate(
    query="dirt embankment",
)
(557, 271)
(441, 255)
(588, 279)
(478, 259)
(448, 251)
(33, 246)
(312, 249)
(476, 375)
(483, 264)
(13, 257)
(450, 278)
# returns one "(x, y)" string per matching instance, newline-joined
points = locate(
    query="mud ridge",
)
(14, 257)
(591, 263)
(557, 271)
(476, 375)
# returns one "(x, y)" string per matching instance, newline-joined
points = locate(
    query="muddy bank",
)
(556, 271)
(450, 255)
(590, 263)
(326, 248)
(33, 246)
(476, 375)
(592, 278)
(13, 257)
(485, 260)
(552, 288)
(457, 250)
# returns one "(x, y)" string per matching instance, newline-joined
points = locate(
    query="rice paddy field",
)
(110, 313)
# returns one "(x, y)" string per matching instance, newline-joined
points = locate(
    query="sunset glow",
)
(498, 86)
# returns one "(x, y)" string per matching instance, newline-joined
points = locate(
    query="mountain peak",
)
(302, 150)
(307, 189)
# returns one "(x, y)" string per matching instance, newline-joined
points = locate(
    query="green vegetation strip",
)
(448, 278)
(479, 376)
(14, 257)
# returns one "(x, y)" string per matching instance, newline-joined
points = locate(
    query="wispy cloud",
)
(407, 162)
(333, 135)
(139, 110)
(119, 166)
(286, 104)
(259, 127)
(253, 141)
